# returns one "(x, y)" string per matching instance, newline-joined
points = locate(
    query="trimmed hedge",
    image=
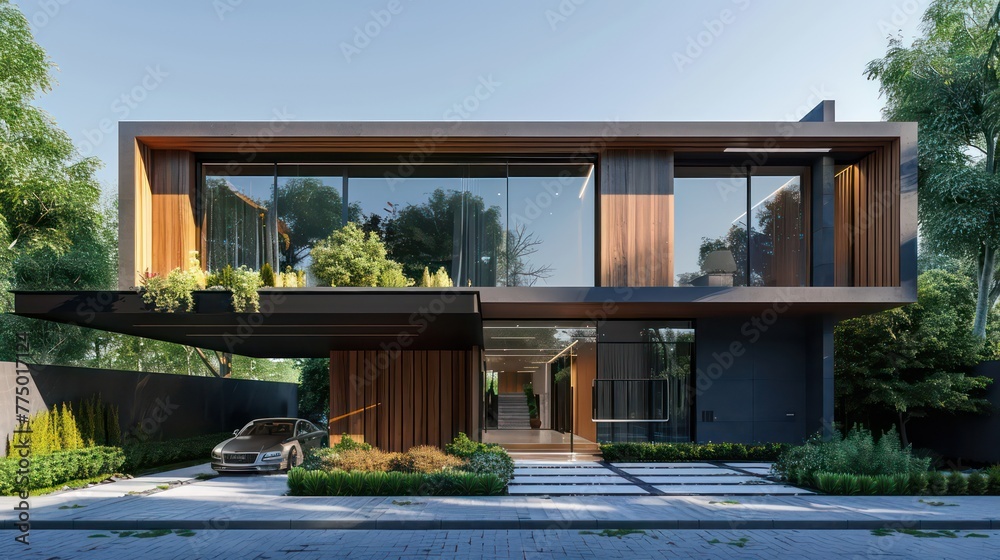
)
(934, 483)
(61, 467)
(665, 452)
(141, 455)
(340, 483)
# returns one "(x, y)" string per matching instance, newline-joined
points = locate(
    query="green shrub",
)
(360, 459)
(957, 484)
(917, 484)
(347, 443)
(424, 459)
(61, 467)
(443, 483)
(464, 447)
(993, 480)
(666, 452)
(977, 484)
(491, 461)
(857, 453)
(141, 455)
(267, 276)
(243, 283)
(937, 485)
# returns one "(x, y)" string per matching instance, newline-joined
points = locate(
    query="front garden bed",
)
(349, 468)
(639, 452)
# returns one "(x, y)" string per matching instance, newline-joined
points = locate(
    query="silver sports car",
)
(267, 445)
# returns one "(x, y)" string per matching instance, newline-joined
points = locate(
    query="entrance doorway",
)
(540, 373)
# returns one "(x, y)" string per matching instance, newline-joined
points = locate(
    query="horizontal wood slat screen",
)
(174, 233)
(396, 400)
(637, 209)
(866, 214)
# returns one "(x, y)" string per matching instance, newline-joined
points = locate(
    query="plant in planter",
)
(529, 393)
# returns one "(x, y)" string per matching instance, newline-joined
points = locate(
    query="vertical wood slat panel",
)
(433, 399)
(636, 218)
(415, 397)
(867, 242)
(173, 233)
(143, 211)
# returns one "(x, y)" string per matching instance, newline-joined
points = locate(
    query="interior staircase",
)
(513, 412)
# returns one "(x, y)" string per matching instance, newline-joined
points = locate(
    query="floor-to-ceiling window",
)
(739, 227)
(642, 391)
(490, 223)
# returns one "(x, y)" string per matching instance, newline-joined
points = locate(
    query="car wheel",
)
(293, 457)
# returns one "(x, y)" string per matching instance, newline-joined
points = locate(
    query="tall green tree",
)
(913, 360)
(53, 234)
(314, 389)
(349, 257)
(947, 81)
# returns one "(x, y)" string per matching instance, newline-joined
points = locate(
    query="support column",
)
(819, 378)
(822, 222)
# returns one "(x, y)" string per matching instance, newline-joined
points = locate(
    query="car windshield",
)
(267, 428)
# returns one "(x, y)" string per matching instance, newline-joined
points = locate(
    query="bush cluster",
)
(665, 452)
(465, 462)
(934, 483)
(857, 453)
(141, 455)
(61, 467)
(445, 483)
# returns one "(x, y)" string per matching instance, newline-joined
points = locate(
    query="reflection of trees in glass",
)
(670, 352)
(777, 227)
(309, 210)
(516, 269)
(238, 232)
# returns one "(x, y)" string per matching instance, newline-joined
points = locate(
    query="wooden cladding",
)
(866, 218)
(165, 195)
(395, 400)
(637, 212)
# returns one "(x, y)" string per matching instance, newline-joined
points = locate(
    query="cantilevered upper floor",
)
(535, 213)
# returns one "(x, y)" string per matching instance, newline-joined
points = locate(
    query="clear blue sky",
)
(547, 59)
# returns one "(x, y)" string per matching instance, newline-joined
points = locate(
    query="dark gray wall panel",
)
(156, 406)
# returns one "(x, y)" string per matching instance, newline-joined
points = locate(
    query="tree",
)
(349, 257)
(314, 389)
(311, 210)
(912, 360)
(516, 268)
(947, 81)
(452, 229)
(53, 234)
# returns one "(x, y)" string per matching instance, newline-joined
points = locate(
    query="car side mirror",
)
(236, 432)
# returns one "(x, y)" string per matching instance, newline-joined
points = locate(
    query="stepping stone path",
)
(556, 478)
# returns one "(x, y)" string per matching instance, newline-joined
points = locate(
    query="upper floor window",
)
(486, 224)
(740, 227)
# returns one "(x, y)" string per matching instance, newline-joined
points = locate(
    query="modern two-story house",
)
(653, 281)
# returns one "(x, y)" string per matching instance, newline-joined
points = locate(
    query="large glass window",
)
(715, 243)
(449, 216)
(550, 235)
(310, 208)
(778, 252)
(240, 224)
(485, 224)
(710, 228)
(642, 391)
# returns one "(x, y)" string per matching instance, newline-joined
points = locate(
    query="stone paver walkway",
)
(309, 545)
(559, 478)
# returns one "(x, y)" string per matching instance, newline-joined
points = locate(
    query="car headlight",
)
(271, 455)
(217, 453)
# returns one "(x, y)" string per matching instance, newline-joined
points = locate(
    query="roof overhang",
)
(299, 323)
(309, 322)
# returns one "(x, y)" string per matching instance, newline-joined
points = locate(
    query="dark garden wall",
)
(968, 437)
(154, 406)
